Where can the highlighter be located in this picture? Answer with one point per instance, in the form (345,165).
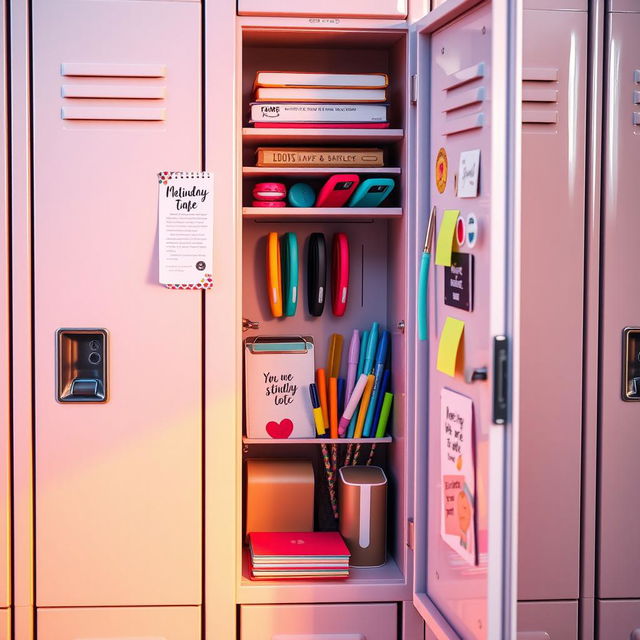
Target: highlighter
(333,406)
(352,404)
(384,415)
(289,255)
(371,349)
(384,387)
(364,405)
(364,342)
(274,275)
(317,410)
(321,382)
(342,386)
(381,357)
(335,355)
(352,369)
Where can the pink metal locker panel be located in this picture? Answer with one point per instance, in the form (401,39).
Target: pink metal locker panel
(466,95)
(118,485)
(559,620)
(327,9)
(319,622)
(618,619)
(553,191)
(149,623)
(5,422)
(619,517)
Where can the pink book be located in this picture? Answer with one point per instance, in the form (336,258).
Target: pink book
(298,545)
(322,125)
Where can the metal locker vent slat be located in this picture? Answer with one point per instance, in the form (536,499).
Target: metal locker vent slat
(109,70)
(112,113)
(464,76)
(113,92)
(466,99)
(540,91)
(540,74)
(467,123)
(636,76)
(135,92)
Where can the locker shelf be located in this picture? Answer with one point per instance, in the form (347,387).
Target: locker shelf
(315,172)
(319,213)
(321,136)
(384,440)
(384,583)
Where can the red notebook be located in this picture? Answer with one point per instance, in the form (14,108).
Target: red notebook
(321,125)
(298,545)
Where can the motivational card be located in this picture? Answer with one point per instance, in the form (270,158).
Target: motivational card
(469,174)
(457,467)
(277,378)
(185,222)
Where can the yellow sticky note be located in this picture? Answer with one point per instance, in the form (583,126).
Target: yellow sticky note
(445,237)
(449,345)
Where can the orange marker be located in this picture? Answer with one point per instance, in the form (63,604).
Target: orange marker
(333,406)
(364,405)
(321,383)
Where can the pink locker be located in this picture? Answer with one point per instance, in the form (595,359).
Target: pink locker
(117,484)
(319,622)
(553,212)
(618,565)
(144,623)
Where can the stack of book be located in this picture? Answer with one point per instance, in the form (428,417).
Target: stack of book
(298,556)
(320,100)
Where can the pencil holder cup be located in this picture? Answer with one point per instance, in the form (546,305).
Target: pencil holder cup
(362,494)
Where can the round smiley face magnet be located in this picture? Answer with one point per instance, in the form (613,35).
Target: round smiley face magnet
(442,170)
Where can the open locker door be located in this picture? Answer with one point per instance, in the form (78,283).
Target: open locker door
(467,119)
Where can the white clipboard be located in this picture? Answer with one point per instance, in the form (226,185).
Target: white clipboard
(278,372)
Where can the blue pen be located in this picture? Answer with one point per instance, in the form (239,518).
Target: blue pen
(342,387)
(423,280)
(384,387)
(371,349)
(364,341)
(381,357)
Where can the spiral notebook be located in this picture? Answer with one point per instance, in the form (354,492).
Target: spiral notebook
(185,229)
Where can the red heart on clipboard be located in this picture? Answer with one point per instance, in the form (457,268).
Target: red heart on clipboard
(280,429)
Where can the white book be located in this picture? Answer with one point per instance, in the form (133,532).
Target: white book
(299,94)
(304,79)
(313,112)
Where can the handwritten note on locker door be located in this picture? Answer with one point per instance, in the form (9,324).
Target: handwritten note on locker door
(457,465)
(185,221)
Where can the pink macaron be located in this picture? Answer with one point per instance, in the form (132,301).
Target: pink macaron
(269,191)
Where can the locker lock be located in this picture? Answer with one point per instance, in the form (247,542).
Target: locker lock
(631,364)
(81,365)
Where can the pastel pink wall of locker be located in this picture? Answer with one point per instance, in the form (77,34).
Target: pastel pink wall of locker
(553,196)
(118,485)
(618,564)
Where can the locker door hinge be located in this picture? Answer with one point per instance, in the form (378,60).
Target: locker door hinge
(413,89)
(500,379)
(410,533)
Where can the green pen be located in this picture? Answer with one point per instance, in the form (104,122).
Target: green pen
(384,415)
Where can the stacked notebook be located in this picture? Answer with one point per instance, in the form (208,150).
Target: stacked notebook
(298,556)
(320,100)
